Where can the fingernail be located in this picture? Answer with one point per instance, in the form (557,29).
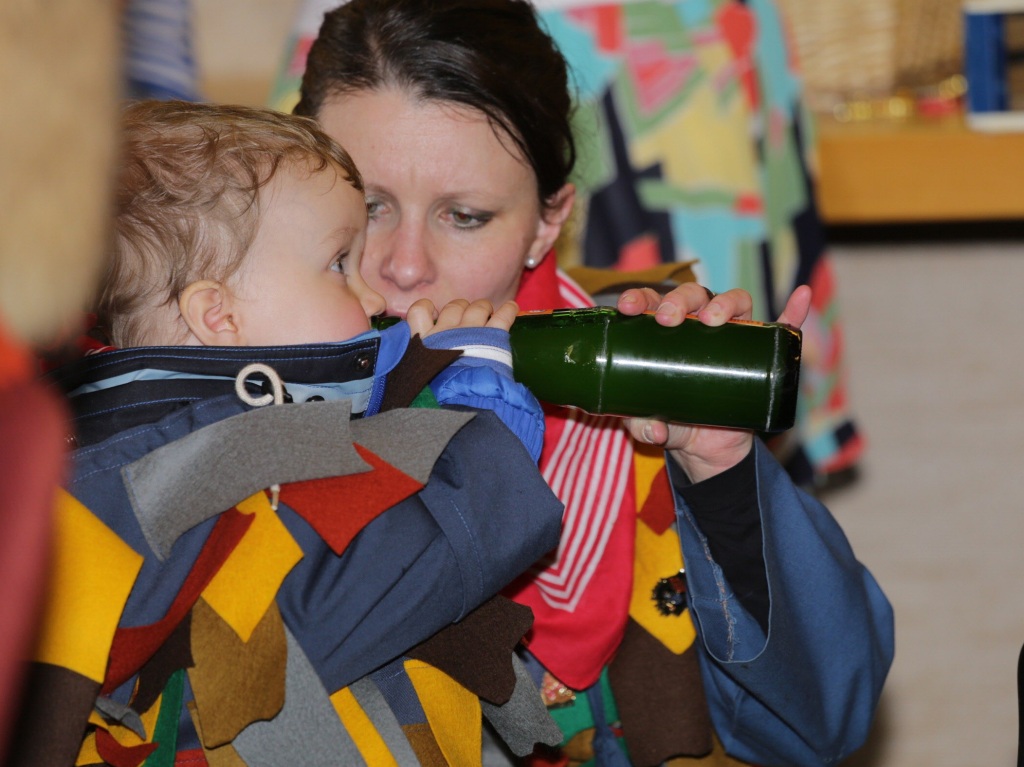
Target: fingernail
(647,434)
(713,309)
(628,298)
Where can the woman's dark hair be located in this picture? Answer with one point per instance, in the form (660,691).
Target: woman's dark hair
(491,55)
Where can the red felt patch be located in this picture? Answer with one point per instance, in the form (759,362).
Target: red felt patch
(339,507)
(132,647)
(659,511)
(116,755)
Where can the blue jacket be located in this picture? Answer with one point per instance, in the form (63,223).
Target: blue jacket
(805,693)
(167,447)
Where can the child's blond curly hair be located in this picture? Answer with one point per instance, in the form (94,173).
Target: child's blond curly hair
(188,201)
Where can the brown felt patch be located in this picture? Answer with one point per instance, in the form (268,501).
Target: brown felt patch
(236,683)
(660,697)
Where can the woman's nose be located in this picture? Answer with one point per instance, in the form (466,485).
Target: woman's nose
(407,262)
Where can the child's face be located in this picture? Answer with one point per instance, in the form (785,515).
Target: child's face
(300,282)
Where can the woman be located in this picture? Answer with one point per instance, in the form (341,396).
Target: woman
(457,114)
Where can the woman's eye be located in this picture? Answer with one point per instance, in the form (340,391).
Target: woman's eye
(465,219)
(374,208)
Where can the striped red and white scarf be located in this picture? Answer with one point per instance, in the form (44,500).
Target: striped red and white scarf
(580,593)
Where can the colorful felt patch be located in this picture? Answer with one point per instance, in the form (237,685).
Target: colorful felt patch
(174,654)
(369,742)
(132,647)
(523,721)
(453,713)
(93,572)
(121,746)
(247,583)
(165,734)
(477,651)
(339,507)
(175,487)
(648,460)
(307,731)
(52,713)
(373,703)
(659,509)
(658,557)
(418,366)
(659,720)
(411,440)
(428,752)
(236,683)
(116,755)
(222,756)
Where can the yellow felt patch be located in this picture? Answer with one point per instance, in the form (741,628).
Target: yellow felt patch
(369,742)
(247,583)
(657,557)
(453,713)
(88,753)
(92,573)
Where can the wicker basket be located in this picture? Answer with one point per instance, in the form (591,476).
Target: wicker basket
(868,49)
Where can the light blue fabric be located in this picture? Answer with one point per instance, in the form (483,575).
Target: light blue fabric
(804,695)
(485,384)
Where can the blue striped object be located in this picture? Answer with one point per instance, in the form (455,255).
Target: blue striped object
(158,53)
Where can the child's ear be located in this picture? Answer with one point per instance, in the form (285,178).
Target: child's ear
(206,308)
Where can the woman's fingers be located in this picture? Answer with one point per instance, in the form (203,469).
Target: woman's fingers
(797,307)
(688,298)
(637,300)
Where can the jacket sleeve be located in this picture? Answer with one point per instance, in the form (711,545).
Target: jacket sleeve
(482,378)
(484,516)
(805,694)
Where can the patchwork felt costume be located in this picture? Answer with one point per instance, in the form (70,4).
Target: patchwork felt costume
(774,644)
(191,622)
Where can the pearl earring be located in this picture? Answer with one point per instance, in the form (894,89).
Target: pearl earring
(531,262)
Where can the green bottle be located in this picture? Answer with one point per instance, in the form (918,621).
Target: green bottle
(741,374)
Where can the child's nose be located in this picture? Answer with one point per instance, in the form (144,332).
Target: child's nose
(373,303)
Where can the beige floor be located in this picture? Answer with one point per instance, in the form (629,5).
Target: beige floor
(937,360)
(936,364)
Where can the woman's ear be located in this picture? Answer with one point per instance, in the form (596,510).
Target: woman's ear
(206,308)
(552,217)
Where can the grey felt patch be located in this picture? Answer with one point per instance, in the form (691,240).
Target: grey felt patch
(523,721)
(306,732)
(372,701)
(190,480)
(410,439)
(111,710)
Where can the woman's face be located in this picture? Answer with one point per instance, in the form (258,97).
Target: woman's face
(453,212)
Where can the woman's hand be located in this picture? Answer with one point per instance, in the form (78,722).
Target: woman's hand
(702,451)
(424,319)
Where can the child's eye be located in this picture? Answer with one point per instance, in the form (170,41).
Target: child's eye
(338,265)
(469,219)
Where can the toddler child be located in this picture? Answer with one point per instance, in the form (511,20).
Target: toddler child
(310,582)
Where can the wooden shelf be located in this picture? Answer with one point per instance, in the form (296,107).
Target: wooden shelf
(917,170)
